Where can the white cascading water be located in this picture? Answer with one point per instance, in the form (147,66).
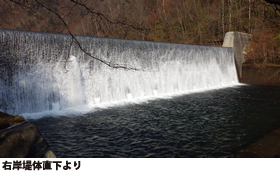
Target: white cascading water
(41,71)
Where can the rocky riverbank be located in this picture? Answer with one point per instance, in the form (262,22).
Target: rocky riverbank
(19,138)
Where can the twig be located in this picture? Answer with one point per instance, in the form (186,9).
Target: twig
(274,74)
(80,46)
(101,16)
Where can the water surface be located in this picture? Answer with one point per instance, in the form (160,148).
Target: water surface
(214,123)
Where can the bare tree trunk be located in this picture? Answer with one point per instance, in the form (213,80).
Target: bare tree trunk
(249,24)
(223,17)
(96,27)
(83,26)
(263,18)
(182,26)
(158,9)
(200,34)
(238,16)
(240,13)
(219,17)
(230,9)
(163,8)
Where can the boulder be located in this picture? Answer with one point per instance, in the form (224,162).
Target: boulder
(19,138)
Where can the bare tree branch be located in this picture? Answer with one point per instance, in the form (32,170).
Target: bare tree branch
(80,46)
(101,16)
(25,6)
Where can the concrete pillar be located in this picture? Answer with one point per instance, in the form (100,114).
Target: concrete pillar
(238,42)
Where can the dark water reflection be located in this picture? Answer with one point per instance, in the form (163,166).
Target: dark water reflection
(208,124)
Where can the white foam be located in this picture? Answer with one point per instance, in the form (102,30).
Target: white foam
(92,107)
(44,79)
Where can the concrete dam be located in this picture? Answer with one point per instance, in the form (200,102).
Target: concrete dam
(48,72)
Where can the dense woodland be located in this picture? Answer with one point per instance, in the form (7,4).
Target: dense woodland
(201,22)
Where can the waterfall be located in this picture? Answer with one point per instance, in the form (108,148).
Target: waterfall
(43,71)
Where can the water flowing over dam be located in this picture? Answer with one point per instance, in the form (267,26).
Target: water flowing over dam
(43,71)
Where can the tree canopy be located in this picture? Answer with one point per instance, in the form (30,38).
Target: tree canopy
(177,21)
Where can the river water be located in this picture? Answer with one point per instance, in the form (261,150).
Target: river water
(214,123)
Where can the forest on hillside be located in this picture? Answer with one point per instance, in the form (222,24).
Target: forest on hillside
(201,22)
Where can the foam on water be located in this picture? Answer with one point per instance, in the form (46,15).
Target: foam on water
(42,72)
(91,107)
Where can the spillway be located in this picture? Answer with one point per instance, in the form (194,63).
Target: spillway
(43,71)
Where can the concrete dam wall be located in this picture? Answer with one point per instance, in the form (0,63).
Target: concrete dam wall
(47,72)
